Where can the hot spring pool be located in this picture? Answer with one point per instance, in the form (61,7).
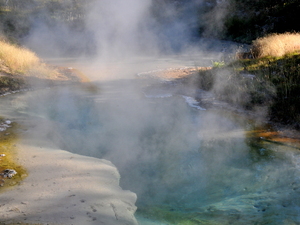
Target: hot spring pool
(186,165)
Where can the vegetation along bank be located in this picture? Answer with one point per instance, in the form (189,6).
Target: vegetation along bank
(266,78)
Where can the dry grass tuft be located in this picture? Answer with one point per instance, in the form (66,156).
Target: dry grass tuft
(276,45)
(17,59)
(21,68)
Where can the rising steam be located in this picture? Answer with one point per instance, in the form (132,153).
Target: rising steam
(117,29)
(166,152)
(121,28)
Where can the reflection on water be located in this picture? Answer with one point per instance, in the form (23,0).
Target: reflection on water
(187,166)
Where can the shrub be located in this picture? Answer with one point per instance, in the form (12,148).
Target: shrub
(11,83)
(276,45)
(270,82)
(245,90)
(18,59)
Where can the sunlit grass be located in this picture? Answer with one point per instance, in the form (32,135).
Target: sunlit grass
(276,45)
(17,59)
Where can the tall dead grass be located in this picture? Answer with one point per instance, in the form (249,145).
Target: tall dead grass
(17,59)
(276,45)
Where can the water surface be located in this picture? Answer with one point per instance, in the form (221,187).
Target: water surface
(186,164)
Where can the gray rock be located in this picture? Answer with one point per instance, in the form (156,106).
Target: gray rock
(8,173)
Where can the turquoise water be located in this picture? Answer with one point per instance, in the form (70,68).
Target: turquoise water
(187,165)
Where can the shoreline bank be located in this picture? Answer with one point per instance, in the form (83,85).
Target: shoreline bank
(62,187)
(65,188)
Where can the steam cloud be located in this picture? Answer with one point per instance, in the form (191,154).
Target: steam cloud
(115,29)
(166,152)
(121,27)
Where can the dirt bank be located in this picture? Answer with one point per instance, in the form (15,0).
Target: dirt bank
(11,83)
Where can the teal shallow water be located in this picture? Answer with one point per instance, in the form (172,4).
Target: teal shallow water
(187,166)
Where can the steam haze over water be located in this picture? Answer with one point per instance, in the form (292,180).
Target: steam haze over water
(181,161)
(196,165)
